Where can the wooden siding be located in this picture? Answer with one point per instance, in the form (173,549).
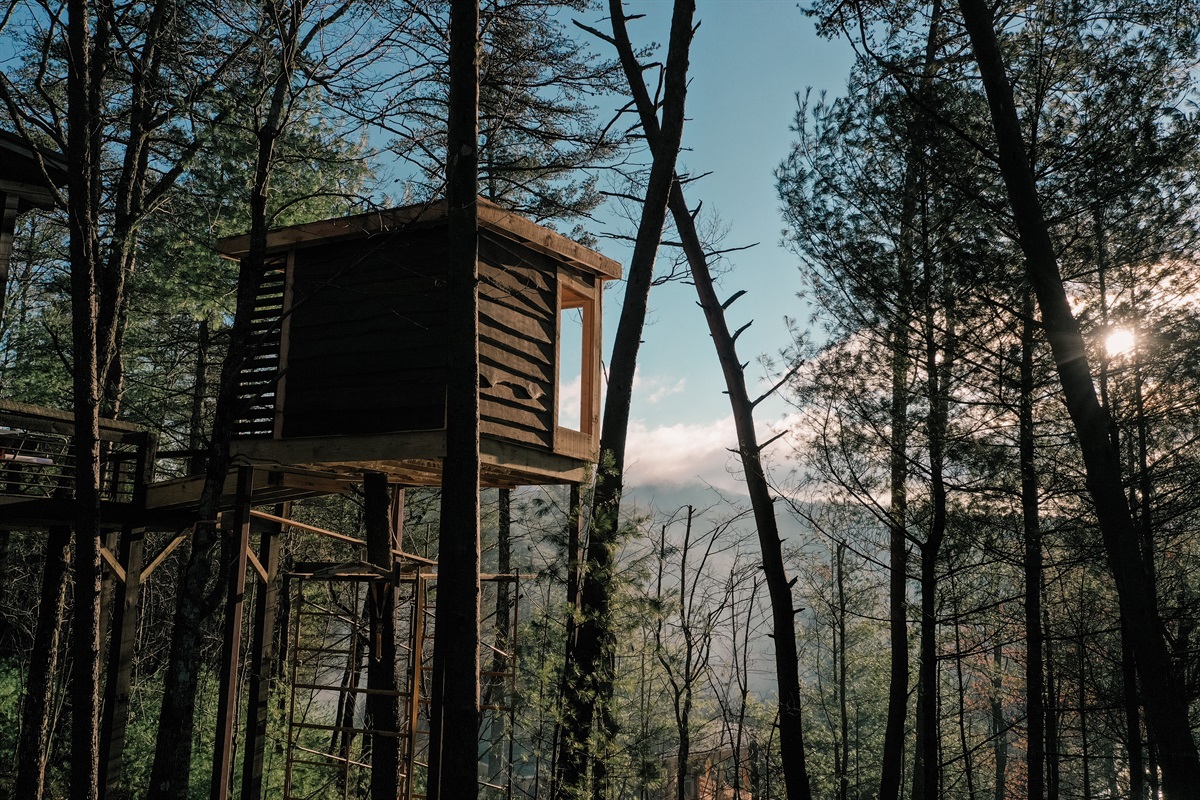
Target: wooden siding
(517,322)
(367,335)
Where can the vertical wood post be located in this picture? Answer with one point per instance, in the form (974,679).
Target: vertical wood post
(415,676)
(383,706)
(115,711)
(230,647)
(262,658)
(8,227)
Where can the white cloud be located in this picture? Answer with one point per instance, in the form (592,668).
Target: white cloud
(570,403)
(690,453)
(661,390)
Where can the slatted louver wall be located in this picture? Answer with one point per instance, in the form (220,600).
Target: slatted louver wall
(258,379)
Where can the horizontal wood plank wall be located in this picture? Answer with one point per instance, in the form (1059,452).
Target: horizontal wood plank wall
(517,323)
(367,340)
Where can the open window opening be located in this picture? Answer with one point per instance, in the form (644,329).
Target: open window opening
(577,364)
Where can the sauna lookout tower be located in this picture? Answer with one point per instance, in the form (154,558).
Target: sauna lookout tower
(350,331)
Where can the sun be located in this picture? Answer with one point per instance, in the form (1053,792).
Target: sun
(1119,342)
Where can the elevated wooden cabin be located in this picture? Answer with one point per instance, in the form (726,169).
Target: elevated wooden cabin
(351,326)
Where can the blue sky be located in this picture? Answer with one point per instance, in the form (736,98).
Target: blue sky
(748,61)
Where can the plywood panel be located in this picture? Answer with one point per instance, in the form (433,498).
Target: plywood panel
(366,349)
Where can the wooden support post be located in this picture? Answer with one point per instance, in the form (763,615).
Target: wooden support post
(227,699)
(108,577)
(383,702)
(8,226)
(127,592)
(415,697)
(262,658)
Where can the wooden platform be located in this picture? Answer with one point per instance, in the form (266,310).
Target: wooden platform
(412,458)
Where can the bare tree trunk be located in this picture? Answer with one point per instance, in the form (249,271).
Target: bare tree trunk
(33,749)
(1031,527)
(501,642)
(968,762)
(892,768)
(1163,693)
(589,695)
(999,729)
(568,701)
(454,704)
(1085,756)
(382,702)
(843,713)
(86,67)
(783,611)
(778,585)
(939,364)
(1053,747)
(199,395)
(1133,726)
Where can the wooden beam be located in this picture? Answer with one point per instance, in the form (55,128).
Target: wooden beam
(383,707)
(291,523)
(115,710)
(113,564)
(262,659)
(231,645)
(291,483)
(491,217)
(258,567)
(166,551)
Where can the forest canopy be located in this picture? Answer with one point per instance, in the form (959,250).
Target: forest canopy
(962,565)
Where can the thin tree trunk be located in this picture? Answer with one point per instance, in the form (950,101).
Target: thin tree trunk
(86,67)
(1032,530)
(194,602)
(1053,748)
(843,713)
(382,703)
(566,702)
(1133,727)
(968,762)
(927,770)
(33,748)
(892,768)
(501,642)
(778,586)
(1085,756)
(589,695)
(454,702)
(999,729)
(199,395)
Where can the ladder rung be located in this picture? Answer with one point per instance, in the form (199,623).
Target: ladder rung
(313,726)
(320,687)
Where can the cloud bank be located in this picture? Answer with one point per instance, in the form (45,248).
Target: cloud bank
(692,453)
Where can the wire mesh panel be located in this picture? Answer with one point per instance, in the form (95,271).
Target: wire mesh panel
(329,732)
(41,464)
